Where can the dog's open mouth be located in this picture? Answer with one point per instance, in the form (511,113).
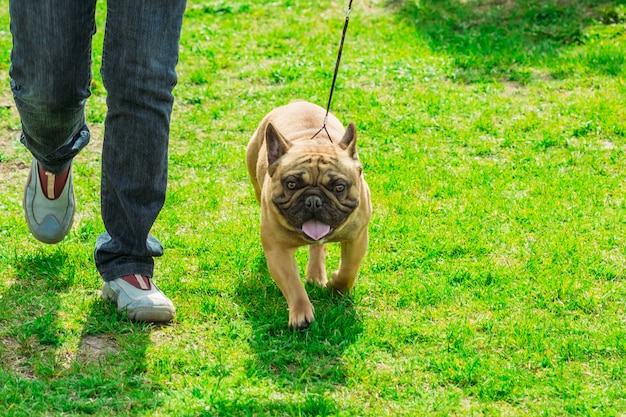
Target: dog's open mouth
(315,229)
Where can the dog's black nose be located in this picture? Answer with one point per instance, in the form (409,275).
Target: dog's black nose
(313,202)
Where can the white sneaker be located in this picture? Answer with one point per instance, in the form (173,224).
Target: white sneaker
(144,302)
(49,216)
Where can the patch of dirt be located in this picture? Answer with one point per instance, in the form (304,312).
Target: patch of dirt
(95,348)
(15,357)
(12,167)
(159,337)
(18,357)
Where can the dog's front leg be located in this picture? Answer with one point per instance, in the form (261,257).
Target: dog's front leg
(352,253)
(284,270)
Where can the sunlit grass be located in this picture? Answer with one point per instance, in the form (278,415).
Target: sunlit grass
(492,136)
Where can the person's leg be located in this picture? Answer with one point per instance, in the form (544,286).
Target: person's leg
(50,77)
(138,69)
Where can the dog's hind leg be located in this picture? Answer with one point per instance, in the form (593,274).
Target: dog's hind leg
(352,253)
(316,268)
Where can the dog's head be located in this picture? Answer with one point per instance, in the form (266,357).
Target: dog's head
(315,184)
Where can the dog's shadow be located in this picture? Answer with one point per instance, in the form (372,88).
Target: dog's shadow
(311,358)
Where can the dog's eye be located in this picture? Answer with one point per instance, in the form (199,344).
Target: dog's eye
(291,185)
(340,188)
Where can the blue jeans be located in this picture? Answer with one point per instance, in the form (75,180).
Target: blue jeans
(50,78)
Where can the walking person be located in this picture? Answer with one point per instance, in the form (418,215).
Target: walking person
(51,71)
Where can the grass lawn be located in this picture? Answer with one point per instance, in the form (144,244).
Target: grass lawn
(493,137)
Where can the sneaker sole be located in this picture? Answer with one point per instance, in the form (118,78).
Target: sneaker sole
(150,314)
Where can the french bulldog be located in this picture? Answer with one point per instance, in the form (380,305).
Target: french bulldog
(309,182)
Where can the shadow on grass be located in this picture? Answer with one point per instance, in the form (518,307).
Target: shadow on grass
(309,361)
(315,404)
(55,360)
(505,39)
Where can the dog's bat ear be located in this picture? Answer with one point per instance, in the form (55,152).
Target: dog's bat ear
(276,145)
(348,142)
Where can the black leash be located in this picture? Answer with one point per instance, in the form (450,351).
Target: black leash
(332,86)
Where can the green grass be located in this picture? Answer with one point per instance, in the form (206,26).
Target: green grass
(493,136)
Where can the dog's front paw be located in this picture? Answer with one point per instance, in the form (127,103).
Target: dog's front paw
(339,284)
(300,317)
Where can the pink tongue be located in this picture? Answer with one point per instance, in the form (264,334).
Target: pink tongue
(315,229)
